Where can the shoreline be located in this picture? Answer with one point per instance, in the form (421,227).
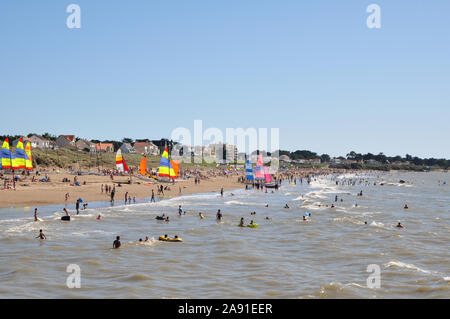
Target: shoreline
(53,192)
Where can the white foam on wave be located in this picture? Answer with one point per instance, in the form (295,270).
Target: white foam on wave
(399,264)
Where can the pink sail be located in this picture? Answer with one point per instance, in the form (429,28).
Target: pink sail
(259,171)
(267,175)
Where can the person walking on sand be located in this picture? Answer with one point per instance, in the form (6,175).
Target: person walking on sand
(153,197)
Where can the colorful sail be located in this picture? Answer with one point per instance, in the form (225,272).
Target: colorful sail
(143,166)
(165,167)
(6,155)
(249,171)
(267,175)
(120,163)
(176,167)
(259,171)
(29,160)
(18,162)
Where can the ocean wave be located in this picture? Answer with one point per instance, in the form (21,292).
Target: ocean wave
(399,264)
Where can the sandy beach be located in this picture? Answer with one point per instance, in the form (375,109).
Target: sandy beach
(28,193)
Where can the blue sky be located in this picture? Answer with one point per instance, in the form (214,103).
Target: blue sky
(310,68)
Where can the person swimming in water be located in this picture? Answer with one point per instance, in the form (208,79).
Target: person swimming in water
(146,238)
(267,205)
(99,217)
(332,205)
(201,215)
(268,218)
(241,223)
(41,235)
(406,206)
(180,211)
(116,243)
(251,224)
(286,206)
(219,215)
(399,225)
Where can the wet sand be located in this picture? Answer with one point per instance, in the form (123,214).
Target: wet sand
(28,193)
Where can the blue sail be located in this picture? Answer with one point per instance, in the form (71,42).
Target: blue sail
(249,171)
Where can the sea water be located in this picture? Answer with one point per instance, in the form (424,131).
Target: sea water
(285,257)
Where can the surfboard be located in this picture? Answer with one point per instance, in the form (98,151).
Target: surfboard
(67,218)
(39,220)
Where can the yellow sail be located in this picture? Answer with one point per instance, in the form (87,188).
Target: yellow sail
(29,160)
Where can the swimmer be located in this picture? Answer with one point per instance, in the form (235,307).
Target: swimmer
(241,223)
(99,217)
(365,223)
(140,240)
(267,205)
(66,211)
(251,223)
(41,235)
(406,207)
(332,205)
(268,218)
(219,215)
(117,243)
(399,225)
(304,218)
(286,206)
(167,219)
(201,216)
(146,238)
(180,211)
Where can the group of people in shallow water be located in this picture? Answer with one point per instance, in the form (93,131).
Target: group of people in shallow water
(163,217)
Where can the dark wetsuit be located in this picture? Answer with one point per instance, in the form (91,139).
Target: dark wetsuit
(116,244)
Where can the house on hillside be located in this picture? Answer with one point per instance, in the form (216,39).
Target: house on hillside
(146,148)
(66,141)
(104,147)
(285,158)
(85,145)
(38,141)
(127,148)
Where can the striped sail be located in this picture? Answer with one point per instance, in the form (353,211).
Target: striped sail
(29,160)
(6,155)
(259,172)
(18,161)
(165,166)
(267,175)
(249,171)
(120,162)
